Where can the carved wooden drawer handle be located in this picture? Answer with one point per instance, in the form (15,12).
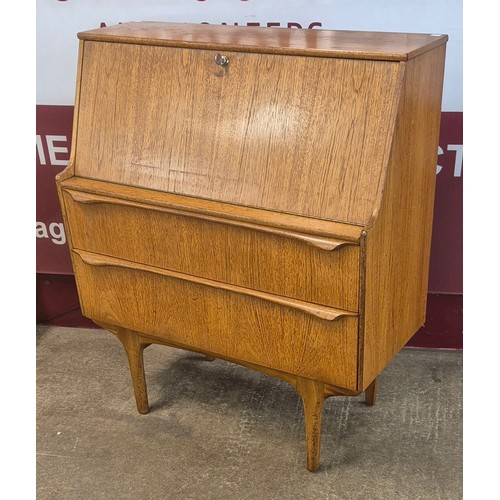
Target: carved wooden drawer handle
(322,242)
(323,312)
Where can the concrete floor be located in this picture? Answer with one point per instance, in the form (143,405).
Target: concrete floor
(220,431)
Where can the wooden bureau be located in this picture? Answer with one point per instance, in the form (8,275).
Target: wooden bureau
(259,195)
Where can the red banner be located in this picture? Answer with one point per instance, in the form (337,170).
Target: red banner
(53,144)
(446,272)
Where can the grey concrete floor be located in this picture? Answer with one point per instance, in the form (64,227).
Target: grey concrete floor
(220,431)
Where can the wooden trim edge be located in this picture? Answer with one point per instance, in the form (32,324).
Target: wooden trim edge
(321,242)
(344,231)
(323,312)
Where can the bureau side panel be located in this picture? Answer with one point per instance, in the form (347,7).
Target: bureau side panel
(398,243)
(219,321)
(301,135)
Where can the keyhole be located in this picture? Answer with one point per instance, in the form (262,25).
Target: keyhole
(221,60)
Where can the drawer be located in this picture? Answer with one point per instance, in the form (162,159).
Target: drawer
(310,268)
(296,337)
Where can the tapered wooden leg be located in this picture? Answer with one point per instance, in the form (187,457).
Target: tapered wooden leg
(313,395)
(371,393)
(209,358)
(134,349)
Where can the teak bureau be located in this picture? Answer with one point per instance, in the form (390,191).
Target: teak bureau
(259,195)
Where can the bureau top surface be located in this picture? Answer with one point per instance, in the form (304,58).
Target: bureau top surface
(313,42)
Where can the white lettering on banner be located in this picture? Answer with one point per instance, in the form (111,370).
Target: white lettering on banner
(270,24)
(55,232)
(315,24)
(40,151)
(55,151)
(459,157)
(439,167)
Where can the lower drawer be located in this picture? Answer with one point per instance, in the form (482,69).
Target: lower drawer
(292,336)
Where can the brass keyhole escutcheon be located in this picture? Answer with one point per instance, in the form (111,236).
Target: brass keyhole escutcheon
(221,60)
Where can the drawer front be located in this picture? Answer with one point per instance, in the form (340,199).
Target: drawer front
(178,308)
(313,269)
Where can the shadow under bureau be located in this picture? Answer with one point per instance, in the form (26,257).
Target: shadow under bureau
(259,195)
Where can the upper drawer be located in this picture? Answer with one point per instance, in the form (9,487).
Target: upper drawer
(295,134)
(288,263)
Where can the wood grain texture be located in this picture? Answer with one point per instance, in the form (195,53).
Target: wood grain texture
(313,42)
(371,393)
(134,349)
(209,208)
(112,202)
(144,339)
(279,264)
(361,307)
(312,137)
(275,212)
(398,243)
(320,311)
(313,395)
(220,321)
